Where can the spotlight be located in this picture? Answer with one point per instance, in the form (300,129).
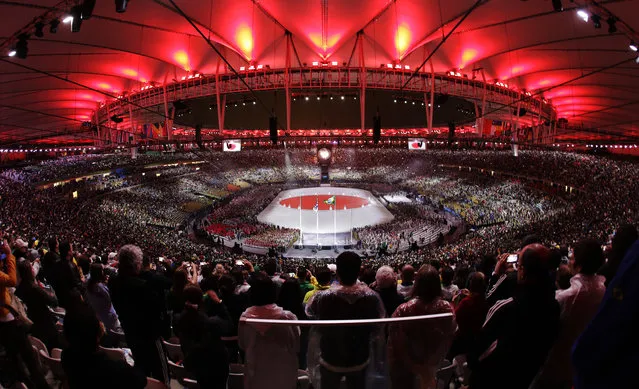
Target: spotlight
(12,53)
(120,5)
(39,27)
(323,154)
(583,15)
(67,19)
(633,46)
(596,21)
(76,22)
(53,26)
(612,25)
(87,9)
(556,4)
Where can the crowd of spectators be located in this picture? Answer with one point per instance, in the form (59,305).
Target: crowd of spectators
(105,262)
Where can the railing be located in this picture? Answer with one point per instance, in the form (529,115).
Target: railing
(344,79)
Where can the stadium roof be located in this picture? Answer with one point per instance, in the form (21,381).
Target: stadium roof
(589,73)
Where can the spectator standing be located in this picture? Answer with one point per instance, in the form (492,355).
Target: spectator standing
(324,279)
(140,311)
(38,302)
(271,350)
(406,287)
(579,303)
(470,314)
(345,350)
(386,286)
(605,354)
(449,290)
(99,298)
(200,337)
(67,278)
(416,349)
(519,331)
(13,335)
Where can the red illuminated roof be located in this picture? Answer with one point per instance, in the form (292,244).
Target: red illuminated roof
(590,74)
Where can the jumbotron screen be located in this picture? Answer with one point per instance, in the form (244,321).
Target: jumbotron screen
(233,145)
(416,144)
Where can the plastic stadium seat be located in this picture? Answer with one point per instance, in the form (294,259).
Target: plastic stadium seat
(303,381)
(20,385)
(152,383)
(177,371)
(117,354)
(445,374)
(55,365)
(236,381)
(236,368)
(56,353)
(190,384)
(119,336)
(173,351)
(38,345)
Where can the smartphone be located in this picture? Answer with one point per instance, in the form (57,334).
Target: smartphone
(239,263)
(512,258)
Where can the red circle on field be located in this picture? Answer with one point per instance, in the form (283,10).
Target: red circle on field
(324,201)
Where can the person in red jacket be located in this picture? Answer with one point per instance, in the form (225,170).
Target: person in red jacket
(470,314)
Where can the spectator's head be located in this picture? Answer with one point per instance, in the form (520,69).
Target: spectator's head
(53,244)
(66,251)
(385,278)
(555,259)
(219,270)
(563,277)
(270,267)
(530,239)
(436,264)
(324,276)
(408,274)
(587,257)
(206,271)
(180,280)
(367,274)
(625,236)
(20,248)
(192,297)
(477,283)
(461,276)
(25,272)
(427,284)
(227,285)
(447,275)
(348,265)
(82,329)
(290,296)
(238,275)
(263,290)
(532,266)
(130,260)
(97,273)
(302,273)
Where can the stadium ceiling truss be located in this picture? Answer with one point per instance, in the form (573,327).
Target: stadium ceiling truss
(499,54)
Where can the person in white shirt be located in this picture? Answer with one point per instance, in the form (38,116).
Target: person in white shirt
(578,303)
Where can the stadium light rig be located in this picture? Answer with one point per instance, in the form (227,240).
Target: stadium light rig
(583,15)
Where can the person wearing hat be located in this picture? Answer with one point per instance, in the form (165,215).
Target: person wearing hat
(20,249)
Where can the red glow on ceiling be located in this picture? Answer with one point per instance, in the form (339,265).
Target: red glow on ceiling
(318,41)
(104,85)
(244,40)
(129,72)
(182,58)
(468,56)
(402,39)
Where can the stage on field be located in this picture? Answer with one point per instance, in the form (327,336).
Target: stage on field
(325,215)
